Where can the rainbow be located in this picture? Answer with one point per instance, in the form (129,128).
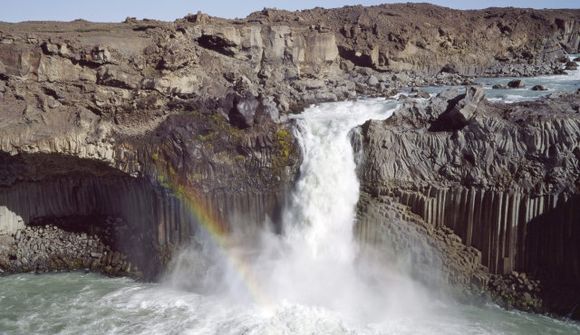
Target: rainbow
(215,227)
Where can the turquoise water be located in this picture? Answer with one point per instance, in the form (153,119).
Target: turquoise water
(76,303)
(554,83)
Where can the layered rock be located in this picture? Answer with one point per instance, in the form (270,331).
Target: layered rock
(430,39)
(505,178)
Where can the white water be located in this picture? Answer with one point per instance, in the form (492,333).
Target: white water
(306,281)
(313,263)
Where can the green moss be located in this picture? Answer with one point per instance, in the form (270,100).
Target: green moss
(207,137)
(284,143)
(219,128)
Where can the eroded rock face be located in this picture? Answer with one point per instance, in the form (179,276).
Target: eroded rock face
(506,182)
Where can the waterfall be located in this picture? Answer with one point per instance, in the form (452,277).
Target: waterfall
(314,261)
(317,267)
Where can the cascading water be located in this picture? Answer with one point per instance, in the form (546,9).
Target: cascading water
(313,263)
(316,264)
(307,280)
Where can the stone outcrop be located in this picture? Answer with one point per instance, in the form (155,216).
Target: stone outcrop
(516,83)
(539,88)
(506,181)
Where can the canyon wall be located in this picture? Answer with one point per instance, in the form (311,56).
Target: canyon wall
(504,178)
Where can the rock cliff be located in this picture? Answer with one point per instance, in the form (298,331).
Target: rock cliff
(504,178)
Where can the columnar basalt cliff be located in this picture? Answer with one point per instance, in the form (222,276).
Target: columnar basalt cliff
(505,178)
(135,128)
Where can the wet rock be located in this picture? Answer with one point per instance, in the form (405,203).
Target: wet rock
(516,83)
(48,248)
(539,88)
(153,101)
(476,190)
(571,66)
(499,87)
(516,290)
(422,95)
(560,72)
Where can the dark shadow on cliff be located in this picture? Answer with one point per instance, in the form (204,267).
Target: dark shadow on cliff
(553,255)
(85,196)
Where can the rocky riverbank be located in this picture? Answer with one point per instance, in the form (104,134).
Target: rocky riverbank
(48,248)
(516,290)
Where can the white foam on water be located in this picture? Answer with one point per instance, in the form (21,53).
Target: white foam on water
(89,304)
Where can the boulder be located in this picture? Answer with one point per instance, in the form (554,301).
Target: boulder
(115,77)
(267,111)
(499,87)
(560,71)
(449,68)
(244,110)
(460,110)
(539,88)
(224,40)
(57,69)
(571,66)
(101,55)
(516,83)
(199,18)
